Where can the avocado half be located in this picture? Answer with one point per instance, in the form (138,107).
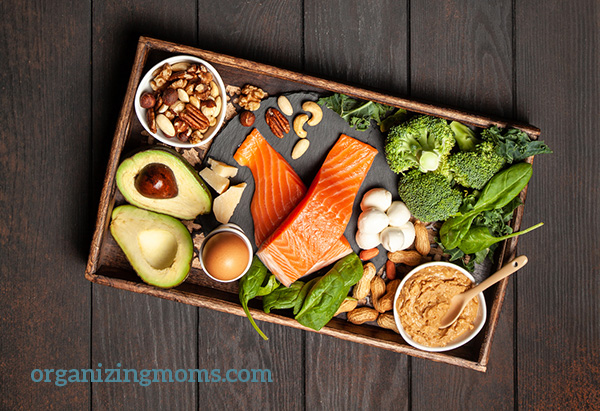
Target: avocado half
(193,196)
(159,247)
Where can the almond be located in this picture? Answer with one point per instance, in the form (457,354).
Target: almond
(369,254)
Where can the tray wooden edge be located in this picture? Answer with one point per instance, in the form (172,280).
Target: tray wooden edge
(145,45)
(236,309)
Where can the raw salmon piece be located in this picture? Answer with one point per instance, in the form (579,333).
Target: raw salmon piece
(320,219)
(338,250)
(277,187)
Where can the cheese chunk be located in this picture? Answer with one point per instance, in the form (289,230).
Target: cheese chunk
(225,204)
(217,182)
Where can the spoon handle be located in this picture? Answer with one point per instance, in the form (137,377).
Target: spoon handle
(504,272)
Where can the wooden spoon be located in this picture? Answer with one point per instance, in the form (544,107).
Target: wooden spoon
(460,301)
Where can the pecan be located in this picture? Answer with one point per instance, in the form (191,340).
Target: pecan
(194,118)
(278,124)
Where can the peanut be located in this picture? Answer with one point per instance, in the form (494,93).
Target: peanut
(366,255)
(361,289)
(348,304)
(390,270)
(386,303)
(421,239)
(377,289)
(386,320)
(362,314)
(412,258)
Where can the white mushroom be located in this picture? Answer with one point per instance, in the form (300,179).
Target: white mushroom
(379,198)
(398,213)
(392,239)
(367,241)
(372,221)
(408,229)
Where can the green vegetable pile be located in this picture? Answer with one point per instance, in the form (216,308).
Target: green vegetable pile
(451,173)
(313,303)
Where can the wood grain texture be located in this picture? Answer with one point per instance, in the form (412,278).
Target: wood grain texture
(268,31)
(558,310)
(137,331)
(351,43)
(227,342)
(344,41)
(44,209)
(461,53)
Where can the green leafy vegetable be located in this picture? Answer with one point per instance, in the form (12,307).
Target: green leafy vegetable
(283,297)
(423,142)
(250,285)
(269,285)
(479,238)
(357,113)
(497,193)
(514,145)
(303,293)
(395,119)
(327,294)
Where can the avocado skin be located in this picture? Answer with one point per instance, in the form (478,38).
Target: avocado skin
(199,202)
(126,224)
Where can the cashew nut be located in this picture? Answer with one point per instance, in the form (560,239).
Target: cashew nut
(314,109)
(299,124)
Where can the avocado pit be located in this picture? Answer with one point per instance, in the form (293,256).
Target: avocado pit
(156,181)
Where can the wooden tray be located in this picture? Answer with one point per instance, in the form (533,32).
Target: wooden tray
(107,264)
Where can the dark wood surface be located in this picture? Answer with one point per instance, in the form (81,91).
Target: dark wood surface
(64,73)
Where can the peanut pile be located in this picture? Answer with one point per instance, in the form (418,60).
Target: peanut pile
(374,295)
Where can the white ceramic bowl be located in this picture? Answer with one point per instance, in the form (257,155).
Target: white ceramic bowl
(228,228)
(462,339)
(144,86)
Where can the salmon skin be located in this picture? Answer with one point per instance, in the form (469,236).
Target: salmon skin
(319,220)
(277,187)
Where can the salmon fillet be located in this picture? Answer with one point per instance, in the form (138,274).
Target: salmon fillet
(278,189)
(319,220)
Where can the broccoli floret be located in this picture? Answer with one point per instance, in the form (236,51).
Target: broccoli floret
(423,142)
(429,196)
(473,169)
(465,137)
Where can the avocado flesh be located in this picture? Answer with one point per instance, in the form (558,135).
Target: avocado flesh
(193,197)
(158,247)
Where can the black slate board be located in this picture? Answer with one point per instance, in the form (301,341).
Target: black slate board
(322,137)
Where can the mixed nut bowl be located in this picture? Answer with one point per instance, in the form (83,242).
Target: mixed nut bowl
(180,101)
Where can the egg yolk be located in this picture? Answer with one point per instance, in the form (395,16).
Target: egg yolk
(225,256)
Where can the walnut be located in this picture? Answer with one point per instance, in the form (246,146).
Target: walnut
(251,97)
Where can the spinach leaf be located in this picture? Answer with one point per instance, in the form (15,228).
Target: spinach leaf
(250,285)
(283,297)
(514,145)
(303,293)
(504,186)
(479,238)
(270,284)
(497,193)
(327,294)
(357,113)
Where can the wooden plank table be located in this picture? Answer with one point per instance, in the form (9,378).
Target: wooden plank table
(64,73)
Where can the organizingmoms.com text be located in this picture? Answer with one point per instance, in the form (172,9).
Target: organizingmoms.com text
(145,377)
